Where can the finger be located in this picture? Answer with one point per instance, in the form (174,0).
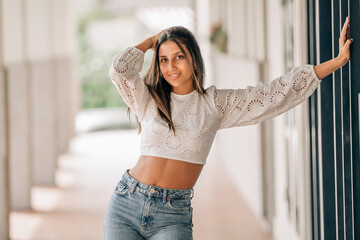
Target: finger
(345,27)
(159,34)
(341,42)
(348,43)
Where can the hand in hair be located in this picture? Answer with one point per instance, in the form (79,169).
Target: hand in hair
(149,43)
(154,39)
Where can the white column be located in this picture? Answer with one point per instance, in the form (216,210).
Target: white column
(259,29)
(4,186)
(4,183)
(70,47)
(19,154)
(63,42)
(250,20)
(42,90)
(203,19)
(237,28)
(17,97)
(50,53)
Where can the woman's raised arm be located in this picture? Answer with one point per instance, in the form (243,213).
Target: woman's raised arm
(149,43)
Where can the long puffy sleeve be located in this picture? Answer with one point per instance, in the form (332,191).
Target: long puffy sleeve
(252,105)
(124,73)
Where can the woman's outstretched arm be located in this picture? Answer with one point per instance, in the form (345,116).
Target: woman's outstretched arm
(325,68)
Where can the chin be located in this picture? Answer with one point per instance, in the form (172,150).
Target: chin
(174,84)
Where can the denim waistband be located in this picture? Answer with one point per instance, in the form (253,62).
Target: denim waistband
(155,191)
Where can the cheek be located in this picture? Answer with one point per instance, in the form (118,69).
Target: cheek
(162,69)
(188,69)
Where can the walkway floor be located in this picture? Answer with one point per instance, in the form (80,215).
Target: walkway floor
(75,208)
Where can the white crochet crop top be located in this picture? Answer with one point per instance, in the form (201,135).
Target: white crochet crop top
(198,117)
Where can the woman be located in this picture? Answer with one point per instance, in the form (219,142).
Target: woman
(179,119)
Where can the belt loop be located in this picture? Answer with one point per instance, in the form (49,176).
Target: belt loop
(164,195)
(132,188)
(192,193)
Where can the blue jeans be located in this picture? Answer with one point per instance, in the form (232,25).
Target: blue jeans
(140,211)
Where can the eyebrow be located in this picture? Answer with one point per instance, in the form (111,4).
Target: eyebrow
(173,53)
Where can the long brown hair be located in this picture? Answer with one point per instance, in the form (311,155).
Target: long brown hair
(158,87)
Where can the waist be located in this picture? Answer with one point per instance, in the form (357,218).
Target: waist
(154,191)
(166,173)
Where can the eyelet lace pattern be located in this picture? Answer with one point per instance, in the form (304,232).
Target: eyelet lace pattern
(198,117)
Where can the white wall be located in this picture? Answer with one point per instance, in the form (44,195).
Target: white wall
(239,148)
(255,39)
(283,225)
(283,229)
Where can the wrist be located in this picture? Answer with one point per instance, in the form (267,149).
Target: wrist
(145,45)
(340,60)
(149,42)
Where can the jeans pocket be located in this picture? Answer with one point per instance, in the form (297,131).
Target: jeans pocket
(179,204)
(121,188)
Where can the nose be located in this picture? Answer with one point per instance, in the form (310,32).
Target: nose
(171,65)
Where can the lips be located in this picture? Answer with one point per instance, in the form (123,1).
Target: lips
(174,76)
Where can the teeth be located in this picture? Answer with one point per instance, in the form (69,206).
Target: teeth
(175,75)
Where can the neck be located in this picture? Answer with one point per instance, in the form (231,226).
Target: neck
(182,91)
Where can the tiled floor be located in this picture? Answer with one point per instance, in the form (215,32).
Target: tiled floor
(75,208)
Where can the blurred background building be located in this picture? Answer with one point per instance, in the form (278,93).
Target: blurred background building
(65,139)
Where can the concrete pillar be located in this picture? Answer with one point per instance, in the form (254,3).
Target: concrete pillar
(42,90)
(43,122)
(4,179)
(49,52)
(237,27)
(70,48)
(63,42)
(4,184)
(19,152)
(17,98)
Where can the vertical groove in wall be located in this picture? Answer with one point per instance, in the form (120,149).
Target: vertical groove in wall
(347,136)
(334,119)
(319,165)
(354,10)
(313,125)
(351,197)
(342,135)
(355,20)
(351,145)
(337,127)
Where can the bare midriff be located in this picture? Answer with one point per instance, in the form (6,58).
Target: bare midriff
(166,173)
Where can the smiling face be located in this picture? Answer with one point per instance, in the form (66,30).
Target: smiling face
(176,67)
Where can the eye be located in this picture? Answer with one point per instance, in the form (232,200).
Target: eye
(179,56)
(163,60)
